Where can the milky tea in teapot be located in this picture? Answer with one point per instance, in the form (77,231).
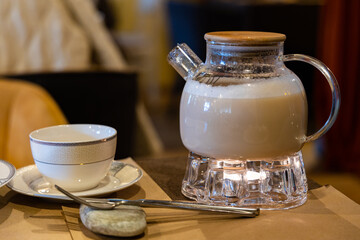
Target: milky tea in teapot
(245,122)
(243,117)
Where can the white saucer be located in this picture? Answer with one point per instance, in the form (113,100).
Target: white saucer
(7,172)
(29,181)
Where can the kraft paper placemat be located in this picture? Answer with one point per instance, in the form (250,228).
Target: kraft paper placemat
(328,214)
(24,217)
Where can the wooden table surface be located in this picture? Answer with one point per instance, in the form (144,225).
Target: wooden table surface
(327,214)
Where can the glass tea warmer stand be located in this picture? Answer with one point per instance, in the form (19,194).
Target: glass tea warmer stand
(243,117)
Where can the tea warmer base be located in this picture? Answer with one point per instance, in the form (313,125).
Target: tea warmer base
(266,184)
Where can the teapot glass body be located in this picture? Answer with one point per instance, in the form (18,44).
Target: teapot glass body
(243,103)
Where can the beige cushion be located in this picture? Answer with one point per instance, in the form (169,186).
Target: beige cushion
(40,35)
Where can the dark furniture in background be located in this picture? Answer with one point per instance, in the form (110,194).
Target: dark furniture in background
(98,97)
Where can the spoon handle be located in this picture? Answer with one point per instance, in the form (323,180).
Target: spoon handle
(112,203)
(249,212)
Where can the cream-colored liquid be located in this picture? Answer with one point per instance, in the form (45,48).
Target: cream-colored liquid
(264,119)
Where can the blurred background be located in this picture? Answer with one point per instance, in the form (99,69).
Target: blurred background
(105,61)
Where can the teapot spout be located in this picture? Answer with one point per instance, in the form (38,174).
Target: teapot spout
(184,60)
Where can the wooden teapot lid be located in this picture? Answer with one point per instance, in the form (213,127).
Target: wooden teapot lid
(246,38)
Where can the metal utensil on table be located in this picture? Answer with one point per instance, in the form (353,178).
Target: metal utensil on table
(108,204)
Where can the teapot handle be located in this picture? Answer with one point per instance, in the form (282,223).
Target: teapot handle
(334,86)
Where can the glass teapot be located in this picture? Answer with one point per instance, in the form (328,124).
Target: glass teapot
(243,117)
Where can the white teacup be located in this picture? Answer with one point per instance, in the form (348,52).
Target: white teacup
(74,156)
